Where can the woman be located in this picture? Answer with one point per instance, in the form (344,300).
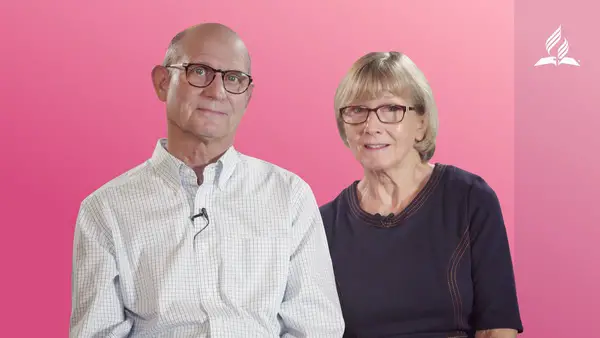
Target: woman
(419,249)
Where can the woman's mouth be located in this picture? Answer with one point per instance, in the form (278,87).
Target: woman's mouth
(376,146)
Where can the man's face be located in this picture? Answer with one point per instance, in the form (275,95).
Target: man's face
(210,112)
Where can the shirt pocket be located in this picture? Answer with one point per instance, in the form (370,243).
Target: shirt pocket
(253,271)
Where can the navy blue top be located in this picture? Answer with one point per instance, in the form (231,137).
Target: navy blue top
(440,268)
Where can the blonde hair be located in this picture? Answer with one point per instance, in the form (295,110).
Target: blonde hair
(379,72)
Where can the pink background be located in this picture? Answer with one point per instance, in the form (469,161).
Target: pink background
(557,180)
(77,109)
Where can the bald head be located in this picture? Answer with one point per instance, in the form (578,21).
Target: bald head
(204,34)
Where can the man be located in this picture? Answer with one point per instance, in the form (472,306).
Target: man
(201,240)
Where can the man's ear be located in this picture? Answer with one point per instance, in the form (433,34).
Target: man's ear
(161,79)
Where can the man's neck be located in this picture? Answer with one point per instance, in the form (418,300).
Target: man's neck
(196,153)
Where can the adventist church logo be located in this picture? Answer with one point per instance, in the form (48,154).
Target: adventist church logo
(560,57)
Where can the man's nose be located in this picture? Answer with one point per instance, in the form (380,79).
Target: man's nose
(215,90)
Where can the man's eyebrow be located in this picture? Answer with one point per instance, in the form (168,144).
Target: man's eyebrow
(236,69)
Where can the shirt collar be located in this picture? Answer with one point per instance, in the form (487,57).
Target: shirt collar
(177,172)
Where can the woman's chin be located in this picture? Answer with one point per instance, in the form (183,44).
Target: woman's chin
(376,165)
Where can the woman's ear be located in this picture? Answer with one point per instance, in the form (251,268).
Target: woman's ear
(421,127)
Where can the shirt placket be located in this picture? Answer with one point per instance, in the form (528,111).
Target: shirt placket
(205,252)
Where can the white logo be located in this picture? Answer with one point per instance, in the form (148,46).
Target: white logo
(561,57)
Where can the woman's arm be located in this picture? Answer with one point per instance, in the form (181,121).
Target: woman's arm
(495,309)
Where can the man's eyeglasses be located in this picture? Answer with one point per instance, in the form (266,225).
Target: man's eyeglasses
(389,113)
(201,76)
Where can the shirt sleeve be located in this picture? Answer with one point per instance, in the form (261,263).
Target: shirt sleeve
(97,307)
(310,307)
(495,296)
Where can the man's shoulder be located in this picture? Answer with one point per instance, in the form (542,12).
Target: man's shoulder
(272,172)
(119,185)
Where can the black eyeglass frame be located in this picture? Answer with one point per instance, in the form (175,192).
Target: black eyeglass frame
(223,72)
(375,110)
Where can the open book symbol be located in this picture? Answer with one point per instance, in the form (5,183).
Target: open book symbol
(561,57)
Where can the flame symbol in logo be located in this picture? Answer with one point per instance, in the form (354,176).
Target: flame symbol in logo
(553,39)
(561,56)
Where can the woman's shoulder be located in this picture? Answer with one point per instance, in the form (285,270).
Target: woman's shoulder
(337,204)
(471,186)
(466,180)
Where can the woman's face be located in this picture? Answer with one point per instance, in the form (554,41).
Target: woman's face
(378,145)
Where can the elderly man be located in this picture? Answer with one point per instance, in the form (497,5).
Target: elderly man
(201,240)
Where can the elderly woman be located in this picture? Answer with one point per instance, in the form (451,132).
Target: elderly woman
(419,249)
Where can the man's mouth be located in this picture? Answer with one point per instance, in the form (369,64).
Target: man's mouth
(210,111)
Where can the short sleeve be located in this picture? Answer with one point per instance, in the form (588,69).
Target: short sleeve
(495,296)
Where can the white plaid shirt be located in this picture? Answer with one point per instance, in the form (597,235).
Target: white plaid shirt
(257,266)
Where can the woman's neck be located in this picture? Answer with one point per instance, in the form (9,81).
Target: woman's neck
(390,191)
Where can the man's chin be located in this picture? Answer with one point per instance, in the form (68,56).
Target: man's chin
(206,135)
(206,128)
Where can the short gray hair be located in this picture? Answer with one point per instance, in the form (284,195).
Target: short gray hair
(174,51)
(378,72)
